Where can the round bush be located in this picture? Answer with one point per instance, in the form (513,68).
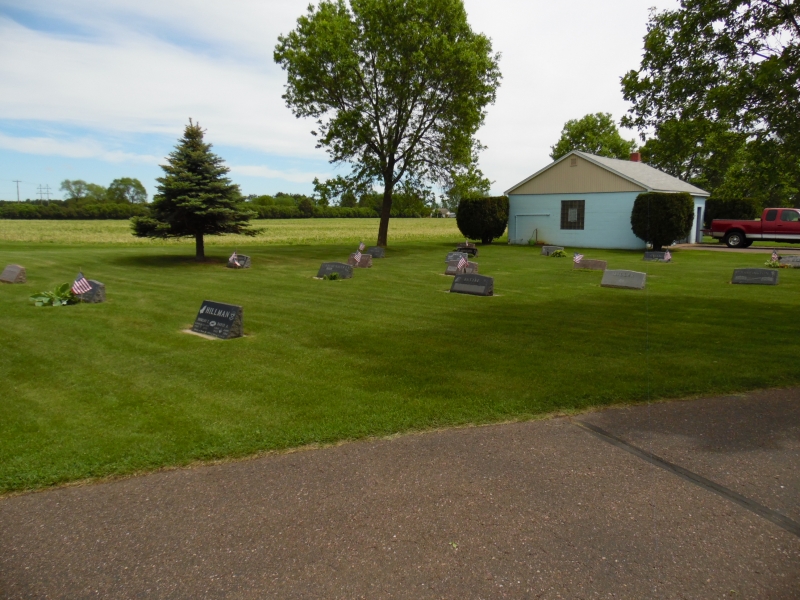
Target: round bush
(482,219)
(661,218)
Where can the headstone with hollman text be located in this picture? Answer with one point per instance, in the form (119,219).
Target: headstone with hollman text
(615,278)
(755,276)
(343,270)
(472,284)
(13,274)
(223,321)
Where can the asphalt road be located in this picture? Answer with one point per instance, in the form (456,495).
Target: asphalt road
(543,509)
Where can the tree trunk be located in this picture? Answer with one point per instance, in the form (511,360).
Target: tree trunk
(386,212)
(199,247)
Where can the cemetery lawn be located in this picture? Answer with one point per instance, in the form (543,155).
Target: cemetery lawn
(91,391)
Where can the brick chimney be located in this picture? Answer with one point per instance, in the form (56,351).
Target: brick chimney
(636,157)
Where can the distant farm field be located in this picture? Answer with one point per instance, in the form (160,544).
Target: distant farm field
(97,390)
(272,231)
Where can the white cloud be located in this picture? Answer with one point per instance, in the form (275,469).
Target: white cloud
(269,173)
(85,148)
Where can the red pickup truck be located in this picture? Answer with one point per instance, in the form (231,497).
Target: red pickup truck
(776,225)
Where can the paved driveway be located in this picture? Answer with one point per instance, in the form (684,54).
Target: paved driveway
(658,501)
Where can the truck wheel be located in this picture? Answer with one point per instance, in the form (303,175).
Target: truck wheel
(735,239)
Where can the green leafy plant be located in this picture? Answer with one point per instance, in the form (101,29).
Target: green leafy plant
(774,264)
(331,276)
(61,296)
(558,254)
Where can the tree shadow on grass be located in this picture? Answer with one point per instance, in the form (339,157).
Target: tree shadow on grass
(167,260)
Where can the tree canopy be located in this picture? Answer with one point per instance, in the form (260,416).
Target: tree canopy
(398,88)
(194,197)
(596,134)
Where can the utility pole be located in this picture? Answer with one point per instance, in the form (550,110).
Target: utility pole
(17,181)
(40,192)
(47,191)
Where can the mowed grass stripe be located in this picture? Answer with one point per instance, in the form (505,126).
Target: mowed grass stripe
(110,389)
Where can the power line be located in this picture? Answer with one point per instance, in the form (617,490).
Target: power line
(17,181)
(43,190)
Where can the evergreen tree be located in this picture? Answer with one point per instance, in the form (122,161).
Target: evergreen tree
(194,197)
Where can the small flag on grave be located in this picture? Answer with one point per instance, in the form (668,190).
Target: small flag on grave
(361,246)
(234,258)
(667,256)
(81,286)
(462,263)
(774,256)
(576,258)
(357,256)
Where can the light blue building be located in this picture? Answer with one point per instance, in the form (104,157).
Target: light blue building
(585,201)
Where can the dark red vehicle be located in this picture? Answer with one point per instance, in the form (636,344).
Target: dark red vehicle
(776,225)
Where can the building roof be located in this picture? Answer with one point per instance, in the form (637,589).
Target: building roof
(639,173)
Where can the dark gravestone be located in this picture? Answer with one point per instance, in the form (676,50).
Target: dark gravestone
(376,252)
(755,276)
(624,279)
(456,256)
(242,262)
(793,260)
(590,264)
(656,256)
(96,295)
(13,274)
(452,268)
(223,321)
(476,285)
(365,262)
(548,250)
(467,248)
(344,271)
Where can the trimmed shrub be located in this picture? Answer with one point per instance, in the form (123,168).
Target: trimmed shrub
(482,219)
(58,209)
(733,208)
(661,218)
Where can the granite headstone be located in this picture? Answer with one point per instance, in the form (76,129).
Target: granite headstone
(452,268)
(456,256)
(624,279)
(223,321)
(548,250)
(376,252)
(755,276)
(476,285)
(590,264)
(13,274)
(656,256)
(344,271)
(365,262)
(468,248)
(793,260)
(96,295)
(242,262)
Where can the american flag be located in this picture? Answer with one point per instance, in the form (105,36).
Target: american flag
(361,246)
(462,262)
(774,256)
(667,255)
(577,258)
(357,256)
(81,286)
(234,258)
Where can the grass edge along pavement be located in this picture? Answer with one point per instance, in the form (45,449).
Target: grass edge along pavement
(383,353)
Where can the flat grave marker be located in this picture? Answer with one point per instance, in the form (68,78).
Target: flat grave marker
(590,264)
(623,279)
(656,257)
(344,271)
(456,256)
(242,262)
(467,248)
(793,260)
(223,321)
(548,250)
(96,295)
(365,262)
(755,276)
(474,285)
(376,252)
(13,274)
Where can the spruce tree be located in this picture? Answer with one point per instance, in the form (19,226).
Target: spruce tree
(194,197)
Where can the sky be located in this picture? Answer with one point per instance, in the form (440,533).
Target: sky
(102,89)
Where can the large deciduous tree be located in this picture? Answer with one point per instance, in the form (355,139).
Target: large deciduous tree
(194,197)
(127,190)
(398,87)
(596,134)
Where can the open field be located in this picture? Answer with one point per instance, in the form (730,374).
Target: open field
(97,390)
(273,231)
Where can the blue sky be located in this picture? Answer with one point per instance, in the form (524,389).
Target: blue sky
(100,89)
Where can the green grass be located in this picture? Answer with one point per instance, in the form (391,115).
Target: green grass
(97,390)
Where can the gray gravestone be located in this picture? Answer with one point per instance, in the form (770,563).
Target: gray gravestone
(242,262)
(471,268)
(223,321)
(344,271)
(468,248)
(590,264)
(13,274)
(376,252)
(365,262)
(456,256)
(476,285)
(96,295)
(793,260)
(548,250)
(656,256)
(624,279)
(452,268)
(755,276)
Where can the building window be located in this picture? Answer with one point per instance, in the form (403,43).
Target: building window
(572,212)
(573,162)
